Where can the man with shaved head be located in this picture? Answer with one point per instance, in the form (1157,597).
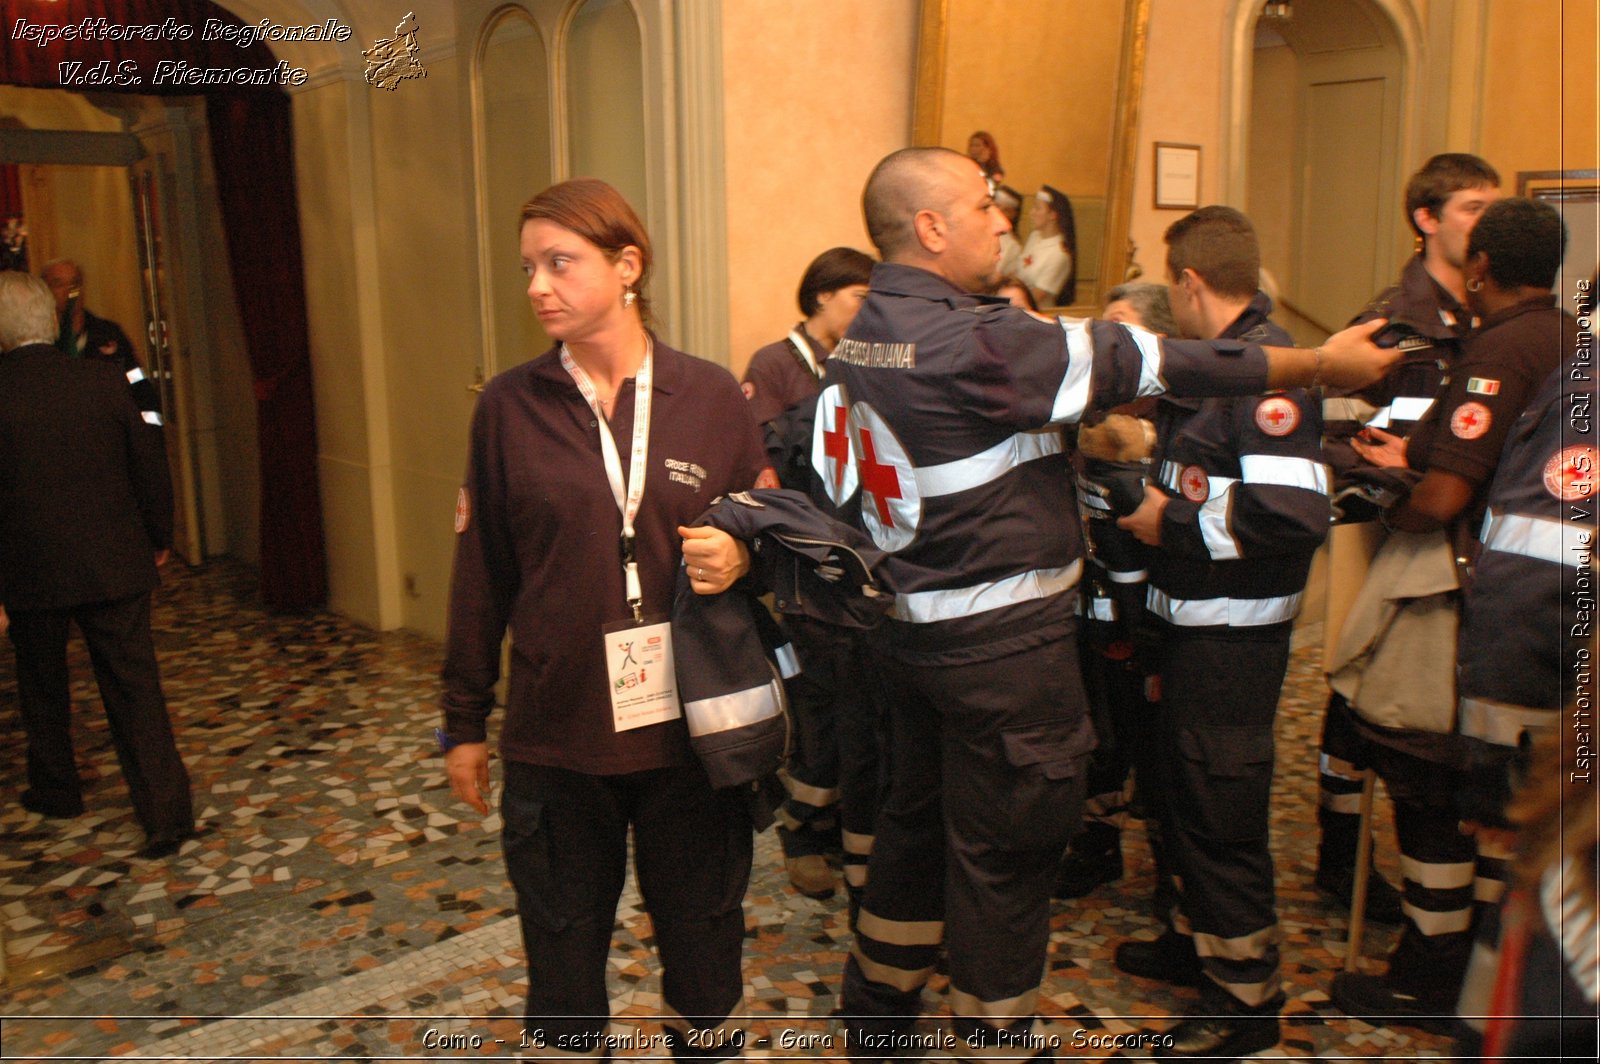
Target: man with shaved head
(86,335)
(944,409)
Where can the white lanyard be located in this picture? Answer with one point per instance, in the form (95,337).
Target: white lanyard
(630,495)
(805,351)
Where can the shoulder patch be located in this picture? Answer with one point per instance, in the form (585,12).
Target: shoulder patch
(1569,475)
(1277,416)
(463,511)
(749,389)
(768,478)
(1194,483)
(1483,386)
(1470,421)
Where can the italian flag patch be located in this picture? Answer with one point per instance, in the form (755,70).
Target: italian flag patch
(1483,386)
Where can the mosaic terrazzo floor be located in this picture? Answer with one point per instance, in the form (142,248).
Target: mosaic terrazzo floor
(339,904)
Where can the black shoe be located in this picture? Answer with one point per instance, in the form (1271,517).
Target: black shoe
(1224,1037)
(165,844)
(1383,901)
(33,802)
(1170,958)
(1371,998)
(1080,872)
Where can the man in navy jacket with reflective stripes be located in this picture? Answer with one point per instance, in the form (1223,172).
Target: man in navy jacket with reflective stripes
(945,408)
(1242,506)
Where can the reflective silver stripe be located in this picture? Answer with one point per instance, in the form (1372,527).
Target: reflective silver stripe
(1404,408)
(151,417)
(1487,891)
(1102,609)
(1339,768)
(1251,947)
(902,979)
(1072,398)
(1493,851)
(924,607)
(979,469)
(1236,613)
(1432,923)
(1093,500)
(726,712)
(1347,408)
(1285,471)
(724,1034)
(899,932)
(135,375)
(1129,576)
(1251,994)
(788,662)
(820,797)
(861,845)
(1170,471)
(1502,723)
(1213,520)
(1451,876)
(995,1013)
(855,875)
(1546,539)
(1150,360)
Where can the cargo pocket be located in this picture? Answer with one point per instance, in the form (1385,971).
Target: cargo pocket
(1050,759)
(525,838)
(1227,771)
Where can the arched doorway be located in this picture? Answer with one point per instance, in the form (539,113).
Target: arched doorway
(199,232)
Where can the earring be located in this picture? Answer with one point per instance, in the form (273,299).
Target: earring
(629,298)
(1474,284)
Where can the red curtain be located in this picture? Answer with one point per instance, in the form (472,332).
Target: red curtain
(253,152)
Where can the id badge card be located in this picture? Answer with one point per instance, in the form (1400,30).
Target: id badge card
(639,674)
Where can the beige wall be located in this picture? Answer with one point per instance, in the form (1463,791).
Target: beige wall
(431,323)
(1183,87)
(1270,201)
(1538,86)
(815,94)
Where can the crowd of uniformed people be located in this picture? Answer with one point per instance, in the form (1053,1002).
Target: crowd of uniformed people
(1038,575)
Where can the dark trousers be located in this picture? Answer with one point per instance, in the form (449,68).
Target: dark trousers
(833,775)
(986,783)
(1219,697)
(1342,759)
(1442,872)
(124,658)
(566,849)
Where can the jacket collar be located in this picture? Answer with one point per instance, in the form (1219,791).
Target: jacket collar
(667,370)
(896,279)
(1516,310)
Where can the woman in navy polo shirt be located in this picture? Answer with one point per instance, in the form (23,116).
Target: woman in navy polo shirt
(585,465)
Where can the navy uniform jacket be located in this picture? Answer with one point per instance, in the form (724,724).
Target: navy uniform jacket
(105,341)
(779,377)
(1523,631)
(1248,500)
(1402,398)
(85,498)
(945,408)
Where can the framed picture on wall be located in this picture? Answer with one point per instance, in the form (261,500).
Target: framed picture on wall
(1576,194)
(1177,181)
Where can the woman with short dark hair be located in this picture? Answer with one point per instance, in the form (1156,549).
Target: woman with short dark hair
(789,371)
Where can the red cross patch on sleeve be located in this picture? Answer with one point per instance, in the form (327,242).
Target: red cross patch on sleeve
(768,478)
(1569,475)
(1470,421)
(749,389)
(463,511)
(1194,484)
(1277,416)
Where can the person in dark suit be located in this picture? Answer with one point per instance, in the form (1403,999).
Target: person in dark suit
(85,520)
